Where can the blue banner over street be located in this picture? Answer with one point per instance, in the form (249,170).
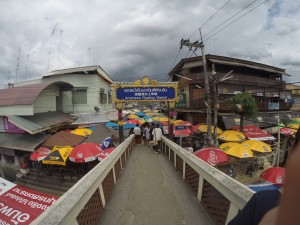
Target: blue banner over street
(145,93)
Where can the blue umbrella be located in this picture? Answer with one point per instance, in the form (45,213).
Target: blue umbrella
(158,122)
(111,124)
(140,114)
(147,117)
(92,128)
(126,126)
(106,142)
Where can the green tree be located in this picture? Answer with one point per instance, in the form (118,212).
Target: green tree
(245,106)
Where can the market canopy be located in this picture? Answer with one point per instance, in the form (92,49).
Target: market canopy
(58,155)
(255,133)
(232,135)
(63,138)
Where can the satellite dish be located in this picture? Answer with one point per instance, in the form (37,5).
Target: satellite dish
(96,109)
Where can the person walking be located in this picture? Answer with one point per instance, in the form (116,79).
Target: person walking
(157,134)
(147,135)
(137,132)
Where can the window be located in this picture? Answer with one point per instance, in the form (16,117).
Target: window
(103,96)
(80,96)
(109,96)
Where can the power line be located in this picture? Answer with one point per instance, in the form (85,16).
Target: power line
(230,18)
(236,20)
(211,17)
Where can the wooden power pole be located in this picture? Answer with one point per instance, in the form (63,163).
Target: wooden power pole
(207,85)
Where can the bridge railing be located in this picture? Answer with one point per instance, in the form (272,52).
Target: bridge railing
(83,203)
(221,195)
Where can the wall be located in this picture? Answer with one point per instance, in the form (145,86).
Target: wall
(21,110)
(46,101)
(92,82)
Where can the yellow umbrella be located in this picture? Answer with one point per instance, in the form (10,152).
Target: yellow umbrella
(203,129)
(147,110)
(141,120)
(232,135)
(257,146)
(294,126)
(82,132)
(155,111)
(161,119)
(227,145)
(239,151)
(58,155)
(298,119)
(132,116)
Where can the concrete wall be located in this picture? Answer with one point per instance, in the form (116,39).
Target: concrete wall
(21,110)
(46,101)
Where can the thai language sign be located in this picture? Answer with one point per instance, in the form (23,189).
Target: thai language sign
(145,93)
(19,205)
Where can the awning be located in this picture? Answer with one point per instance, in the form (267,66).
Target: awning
(63,138)
(41,121)
(255,133)
(90,118)
(25,142)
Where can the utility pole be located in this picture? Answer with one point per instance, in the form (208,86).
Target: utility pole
(215,104)
(207,86)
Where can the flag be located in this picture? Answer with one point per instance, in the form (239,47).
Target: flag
(106,142)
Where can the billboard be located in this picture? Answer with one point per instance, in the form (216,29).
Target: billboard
(19,205)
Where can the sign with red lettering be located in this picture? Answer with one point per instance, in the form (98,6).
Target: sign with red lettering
(19,205)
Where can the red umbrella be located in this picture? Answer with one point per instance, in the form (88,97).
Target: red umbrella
(184,133)
(195,129)
(105,153)
(39,154)
(212,156)
(85,152)
(134,121)
(286,131)
(164,123)
(275,175)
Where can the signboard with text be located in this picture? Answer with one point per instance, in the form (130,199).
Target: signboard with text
(182,101)
(19,205)
(145,90)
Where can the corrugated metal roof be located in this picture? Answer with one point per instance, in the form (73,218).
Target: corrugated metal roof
(63,138)
(90,118)
(24,95)
(252,66)
(41,121)
(25,142)
(84,69)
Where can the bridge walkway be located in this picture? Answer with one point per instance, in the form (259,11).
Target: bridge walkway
(151,192)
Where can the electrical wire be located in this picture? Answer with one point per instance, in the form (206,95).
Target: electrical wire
(210,18)
(251,3)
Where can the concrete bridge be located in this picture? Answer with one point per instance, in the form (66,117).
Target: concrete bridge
(136,186)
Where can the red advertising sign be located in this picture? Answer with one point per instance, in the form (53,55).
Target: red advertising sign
(19,205)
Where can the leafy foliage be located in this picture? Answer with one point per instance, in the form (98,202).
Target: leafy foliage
(244,105)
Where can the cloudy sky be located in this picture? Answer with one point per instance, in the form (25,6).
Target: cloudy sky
(133,38)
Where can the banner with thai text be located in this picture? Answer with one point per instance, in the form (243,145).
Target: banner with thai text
(19,205)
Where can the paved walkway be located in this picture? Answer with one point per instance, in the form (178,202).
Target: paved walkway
(151,192)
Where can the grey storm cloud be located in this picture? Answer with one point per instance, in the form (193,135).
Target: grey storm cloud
(133,38)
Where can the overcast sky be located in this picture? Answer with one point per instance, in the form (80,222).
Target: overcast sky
(134,38)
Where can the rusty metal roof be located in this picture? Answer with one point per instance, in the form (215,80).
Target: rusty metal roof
(82,70)
(24,95)
(25,142)
(41,121)
(63,138)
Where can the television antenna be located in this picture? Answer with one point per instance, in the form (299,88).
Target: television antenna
(52,34)
(18,65)
(26,66)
